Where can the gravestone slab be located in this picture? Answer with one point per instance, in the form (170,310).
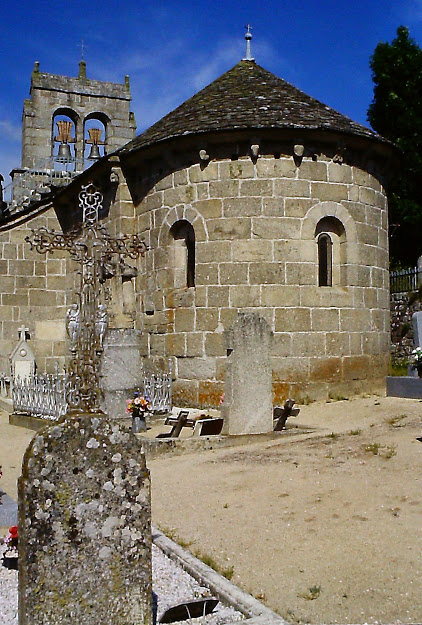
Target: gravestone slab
(248,405)
(404,386)
(417,329)
(121,370)
(84,526)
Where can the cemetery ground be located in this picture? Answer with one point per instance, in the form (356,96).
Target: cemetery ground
(322,527)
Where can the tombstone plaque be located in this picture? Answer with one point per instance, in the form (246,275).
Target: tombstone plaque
(248,406)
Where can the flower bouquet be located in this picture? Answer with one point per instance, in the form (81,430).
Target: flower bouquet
(138,406)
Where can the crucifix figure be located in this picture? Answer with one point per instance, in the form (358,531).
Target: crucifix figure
(91,246)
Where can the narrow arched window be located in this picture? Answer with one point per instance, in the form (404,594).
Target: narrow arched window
(325,260)
(330,239)
(184,232)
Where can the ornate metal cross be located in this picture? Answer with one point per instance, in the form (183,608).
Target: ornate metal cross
(92,247)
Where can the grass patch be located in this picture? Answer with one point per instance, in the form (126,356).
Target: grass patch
(397,422)
(398,368)
(311,594)
(173,535)
(226,572)
(373,448)
(384,451)
(355,432)
(335,397)
(390,451)
(333,435)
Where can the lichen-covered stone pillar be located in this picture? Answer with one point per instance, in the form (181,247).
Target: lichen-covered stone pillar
(248,406)
(84,526)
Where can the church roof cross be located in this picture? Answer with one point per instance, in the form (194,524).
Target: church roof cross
(248,37)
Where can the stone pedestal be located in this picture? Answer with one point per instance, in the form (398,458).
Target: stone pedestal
(84,526)
(248,406)
(121,370)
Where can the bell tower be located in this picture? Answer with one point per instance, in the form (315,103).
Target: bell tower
(67,124)
(74,120)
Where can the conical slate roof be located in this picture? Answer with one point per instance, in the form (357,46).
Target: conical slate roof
(248,96)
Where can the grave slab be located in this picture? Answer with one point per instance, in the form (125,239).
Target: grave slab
(404,386)
(248,406)
(84,523)
(417,329)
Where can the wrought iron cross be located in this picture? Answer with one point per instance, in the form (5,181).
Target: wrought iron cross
(92,247)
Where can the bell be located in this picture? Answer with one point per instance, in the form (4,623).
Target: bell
(95,153)
(64,153)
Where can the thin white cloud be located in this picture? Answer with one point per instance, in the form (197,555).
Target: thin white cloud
(10,131)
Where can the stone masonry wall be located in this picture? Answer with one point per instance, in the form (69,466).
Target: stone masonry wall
(35,293)
(256,250)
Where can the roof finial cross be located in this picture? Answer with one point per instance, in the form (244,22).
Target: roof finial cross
(82,47)
(248,37)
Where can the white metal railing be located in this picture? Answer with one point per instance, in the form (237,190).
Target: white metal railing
(41,395)
(47,395)
(31,183)
(158,389)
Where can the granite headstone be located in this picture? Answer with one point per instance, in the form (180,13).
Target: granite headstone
(248,406)
(84,526)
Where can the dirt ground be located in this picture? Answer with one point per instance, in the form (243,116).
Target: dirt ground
(323,527)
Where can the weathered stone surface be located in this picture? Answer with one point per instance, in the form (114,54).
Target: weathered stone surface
(417,328)
(247,407)
(121,370)
(84,526)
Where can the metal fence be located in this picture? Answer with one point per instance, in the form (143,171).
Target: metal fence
(31,183)
(47,395)
(405,280)
(157,387)
(41,395)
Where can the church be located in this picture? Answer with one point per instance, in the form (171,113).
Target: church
(250,196)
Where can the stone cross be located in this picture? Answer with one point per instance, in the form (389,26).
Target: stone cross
(92,247)
(22,332)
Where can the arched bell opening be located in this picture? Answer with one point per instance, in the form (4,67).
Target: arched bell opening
(95,137)
(64,139)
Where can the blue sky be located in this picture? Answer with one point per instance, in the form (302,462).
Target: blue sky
(172,49)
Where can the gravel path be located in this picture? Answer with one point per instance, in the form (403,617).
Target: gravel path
(171,585)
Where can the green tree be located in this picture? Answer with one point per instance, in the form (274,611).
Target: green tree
(396,114)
